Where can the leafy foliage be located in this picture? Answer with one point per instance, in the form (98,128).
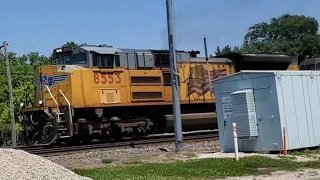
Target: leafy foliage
(289,34)
(22,75)
(70,44)
(226,50)
(294,35)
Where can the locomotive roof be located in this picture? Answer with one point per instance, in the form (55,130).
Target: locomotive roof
(110,49)
(203,59)
(257,57)
(101,50)
(253,54)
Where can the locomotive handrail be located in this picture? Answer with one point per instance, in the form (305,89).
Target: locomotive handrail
(58,110)
(70,115)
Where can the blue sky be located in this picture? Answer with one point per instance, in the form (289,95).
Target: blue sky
(36,25)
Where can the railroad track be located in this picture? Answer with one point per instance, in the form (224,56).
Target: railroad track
(132,143)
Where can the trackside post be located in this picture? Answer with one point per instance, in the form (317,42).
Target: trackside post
(235,139)
(174,79)
(284,141)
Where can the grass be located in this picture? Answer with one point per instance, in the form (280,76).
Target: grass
(198,169)
(307,153)
(190,155)
(107,161)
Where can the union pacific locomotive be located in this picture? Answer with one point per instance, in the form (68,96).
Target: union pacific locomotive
(106,93)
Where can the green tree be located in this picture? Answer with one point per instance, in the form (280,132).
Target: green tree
(23,75)
(289,34)
(70,44)
(22,72)
(226,50)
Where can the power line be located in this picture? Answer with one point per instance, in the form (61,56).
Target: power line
(30,47)
(27,50)
(23,49)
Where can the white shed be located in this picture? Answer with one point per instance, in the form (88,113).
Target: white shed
(262,103)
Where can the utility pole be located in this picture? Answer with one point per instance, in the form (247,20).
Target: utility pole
(13,129)
(174,79)
(207,60)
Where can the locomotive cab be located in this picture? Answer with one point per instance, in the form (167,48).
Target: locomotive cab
(101,56)
(69,56)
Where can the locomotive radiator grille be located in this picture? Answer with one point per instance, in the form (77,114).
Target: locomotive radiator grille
(109,96)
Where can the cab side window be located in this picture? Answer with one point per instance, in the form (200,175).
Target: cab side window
(117,61)
(107,60)
(95,60)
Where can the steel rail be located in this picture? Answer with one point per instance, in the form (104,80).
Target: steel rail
(149,137)
(45,152)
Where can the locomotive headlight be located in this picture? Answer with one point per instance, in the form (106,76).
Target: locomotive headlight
(59,50)
(40,102)
(21,104)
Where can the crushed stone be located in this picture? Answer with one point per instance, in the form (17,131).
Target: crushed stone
(20,165)
(153,153)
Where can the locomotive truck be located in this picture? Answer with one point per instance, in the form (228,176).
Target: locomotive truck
(101,92)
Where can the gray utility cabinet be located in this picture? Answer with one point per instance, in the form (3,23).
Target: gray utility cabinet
(262,103)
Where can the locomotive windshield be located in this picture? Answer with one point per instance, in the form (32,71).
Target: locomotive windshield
(67,57)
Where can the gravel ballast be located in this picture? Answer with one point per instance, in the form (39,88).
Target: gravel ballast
(20,165)
(94,158)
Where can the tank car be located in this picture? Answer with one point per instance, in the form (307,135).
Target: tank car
(106,93)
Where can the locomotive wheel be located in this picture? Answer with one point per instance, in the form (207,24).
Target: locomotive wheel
(50,135)
(105,137)
(87,140)
(137,136)
(139,132)
(73,141)
(84,137)
(154,128)
(31,141)
(115,133)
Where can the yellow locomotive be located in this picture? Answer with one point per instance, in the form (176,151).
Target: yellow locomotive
(106,93)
